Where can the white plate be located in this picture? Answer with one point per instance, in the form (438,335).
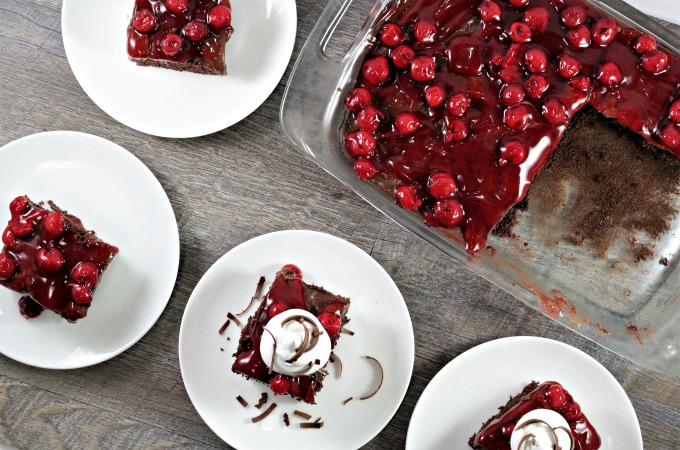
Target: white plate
(469,390)
(663,9)
(120,199)
(175,104)
(378,317)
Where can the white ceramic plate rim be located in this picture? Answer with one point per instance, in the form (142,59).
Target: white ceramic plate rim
(173,262)
(214,270)
(459,364)
(184,129)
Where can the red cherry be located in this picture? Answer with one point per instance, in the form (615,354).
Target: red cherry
(572,411)
(582,83)
(507,429)
(537,18)
(554,112)
(511,74)
(655,62)
(441,185)
(573,16)
(512,93)
(8,238)
(358,99)
(424,31)
(604,31)
(556,397)
(49,260)
(292,271)
(7,266)
(519,32)
(369,118)
(408,196)
(54,223)
(330,322)
(456,130)
(406,123)
(579,37)
(519,3)
(674,111)
(359,143)
(402,56)
(196,31)
(517,117)
(465,56)
(536,85)
(512,152)
(219,17)
(365,169)
(276,308)
(145,21)
(489,11)
(568,66)
(435,96)
(448,212)
(81,294)
(280,384)
(458,104)
(670,136)
(376,70)
(176,6)
(171,44)
(609,74)
(21,228)
(536,60)
(19,205)
(391,35)
(85,273)
(644,44)
(422,68)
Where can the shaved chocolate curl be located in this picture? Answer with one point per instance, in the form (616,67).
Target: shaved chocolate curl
(302,414)
(264,415)
(234,318)
(311,425)
(263,400)
(242,401)
(382,377)
(336,358)
(347,400)
(258,293)
(347,331)
(224,326)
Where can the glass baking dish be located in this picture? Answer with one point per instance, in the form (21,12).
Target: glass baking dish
(629,308)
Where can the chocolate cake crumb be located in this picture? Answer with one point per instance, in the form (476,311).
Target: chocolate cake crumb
(663,261)
(624,185)
(508,222)
(643,253)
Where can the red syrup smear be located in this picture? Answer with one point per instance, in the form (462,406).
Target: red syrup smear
(480,59)
(51,289)
(548,395)
(208,52)
(288,289)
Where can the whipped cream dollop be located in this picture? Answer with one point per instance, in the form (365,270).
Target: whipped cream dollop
(293,354)
(541,429)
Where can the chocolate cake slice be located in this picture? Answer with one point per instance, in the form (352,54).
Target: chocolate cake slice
(296,327)
(183,35)
(497,432)
(50,256)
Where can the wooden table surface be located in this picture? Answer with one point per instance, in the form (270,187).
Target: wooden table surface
(225,189)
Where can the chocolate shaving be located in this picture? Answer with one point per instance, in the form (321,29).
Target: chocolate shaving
(271,366)
(348,400)
(525,439)
(258,293)
(268,411)
(286,419)
(572,440)
(315,337)
(311,424)
(317,361)
(382,377)
(224,327)
(234,318)
(263,400)
(317,420)
(302,371)
(242,401)
(348,331)
(301,349)
(296,318)
(335,357)
(304,415)
(221,349)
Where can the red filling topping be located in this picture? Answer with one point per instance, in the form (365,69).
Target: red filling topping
(50,257)
(549,395)
(288,291)
(486,91)
(181,31)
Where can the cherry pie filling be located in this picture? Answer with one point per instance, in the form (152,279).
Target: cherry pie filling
(461,102)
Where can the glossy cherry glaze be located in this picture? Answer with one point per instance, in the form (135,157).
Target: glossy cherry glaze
(549,395)
(480,59)
(287,291)
(44,263)
(208,51)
